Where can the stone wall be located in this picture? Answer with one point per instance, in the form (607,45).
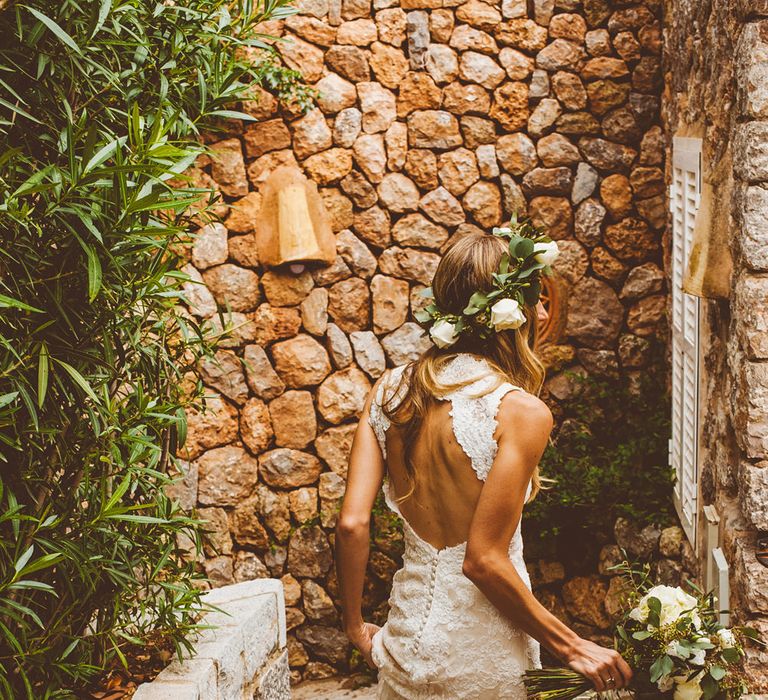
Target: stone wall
(242,653)
(435,117)
(591,604)
(716,56)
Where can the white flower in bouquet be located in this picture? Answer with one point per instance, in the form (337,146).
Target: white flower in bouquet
(674,649)
(507,314)
(443,333)
(546,253)
(665,684)
(726,638)
(688,689)
(674,602)
(699,657)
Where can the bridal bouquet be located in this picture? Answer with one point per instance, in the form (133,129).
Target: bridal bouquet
(674,644)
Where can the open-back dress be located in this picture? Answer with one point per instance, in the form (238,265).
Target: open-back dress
(443,638)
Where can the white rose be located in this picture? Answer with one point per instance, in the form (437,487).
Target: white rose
(687,690)
(674,602)
(443,333)
(546,252)
(507,313)
(727,638)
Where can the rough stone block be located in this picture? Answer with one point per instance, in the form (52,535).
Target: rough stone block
(252,589)
(752,71)
(749,403)
(753,489)
(165,691)
(200,672)
(750,303)
(754,217)
(750,155)
(751,577)
(274,681)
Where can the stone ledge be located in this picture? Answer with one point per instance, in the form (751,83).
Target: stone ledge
(242,655)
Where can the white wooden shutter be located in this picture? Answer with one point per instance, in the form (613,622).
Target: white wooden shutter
(684,197)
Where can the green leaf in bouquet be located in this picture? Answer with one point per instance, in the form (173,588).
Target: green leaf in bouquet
(504,263)
(682,649)
(477,302)
(717,672)
(514,239)
(422,315)
(641,635)
(531,292)
(732,655)
(524,248)
(702,643)
(661,667)
(654,612)
(709,687)
(622,633)
(530,270)
(427,292)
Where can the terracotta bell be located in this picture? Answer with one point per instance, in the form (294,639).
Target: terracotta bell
(293,226)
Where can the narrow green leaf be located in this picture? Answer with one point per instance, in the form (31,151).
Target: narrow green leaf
(78,379)
(24,558)
(8,303)
(42,374)
(60,34)
(5,399)
(18,110)
(94,272)
(232,114)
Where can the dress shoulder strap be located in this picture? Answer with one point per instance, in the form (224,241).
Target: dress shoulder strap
(475,423)
(378,419)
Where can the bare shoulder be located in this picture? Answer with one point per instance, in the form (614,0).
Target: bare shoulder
(520,409)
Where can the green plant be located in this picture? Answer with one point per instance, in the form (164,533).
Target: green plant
(101,105)
(608,459)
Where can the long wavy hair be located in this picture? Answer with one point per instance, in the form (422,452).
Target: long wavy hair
(466,267)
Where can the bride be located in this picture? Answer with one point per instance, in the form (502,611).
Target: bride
(454,439)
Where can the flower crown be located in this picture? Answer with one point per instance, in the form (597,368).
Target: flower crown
(516,283)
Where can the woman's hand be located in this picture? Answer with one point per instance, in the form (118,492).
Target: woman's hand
(604,667)
(361,637)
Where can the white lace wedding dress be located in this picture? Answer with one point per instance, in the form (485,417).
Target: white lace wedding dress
(443,638)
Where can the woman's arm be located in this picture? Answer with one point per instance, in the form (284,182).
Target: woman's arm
(525,423)
(364,477)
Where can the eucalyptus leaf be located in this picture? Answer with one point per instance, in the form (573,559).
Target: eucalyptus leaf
(662,666)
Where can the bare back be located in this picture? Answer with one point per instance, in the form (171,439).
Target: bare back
(451,457)
(446,488)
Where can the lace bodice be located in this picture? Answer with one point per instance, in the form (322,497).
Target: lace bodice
(435,643)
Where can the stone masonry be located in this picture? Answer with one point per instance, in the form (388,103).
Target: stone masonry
(435,118)
(716,85)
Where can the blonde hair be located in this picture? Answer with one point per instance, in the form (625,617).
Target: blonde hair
(466,267)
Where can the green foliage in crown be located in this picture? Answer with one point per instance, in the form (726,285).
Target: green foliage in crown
(516,283)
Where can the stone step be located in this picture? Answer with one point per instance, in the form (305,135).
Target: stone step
(331,689)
